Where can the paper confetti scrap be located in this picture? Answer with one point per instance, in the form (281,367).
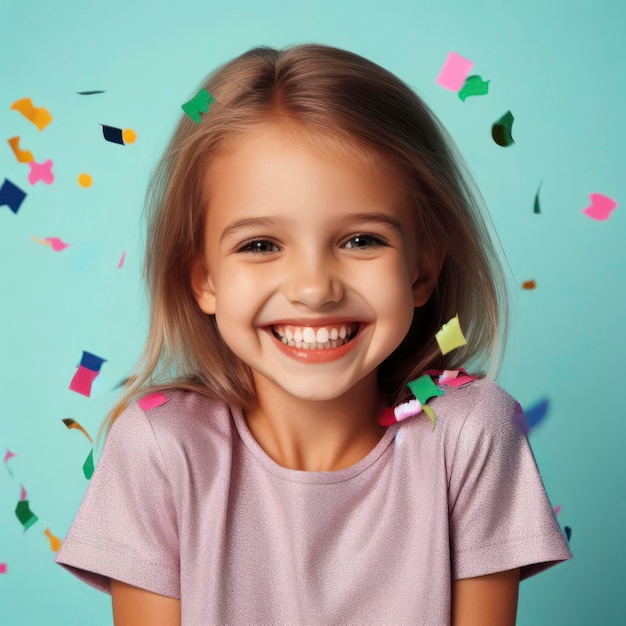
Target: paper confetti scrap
(11,195)
(152,401)
(55,542)
(25,515)
(568,533)
(600,208)
(86,373)
(502,129)
(537,206)
(423,388)
(527,420)
(23,156)
(125,382)
(90,93)
(121,261)
(450,336)
(117,135)
(85,180)
(529,284)
(88,465)
(3,568)
(41,172)
(557,509)
(7,456)
(474,86)
(200,103)
(454,72)
(39,116)
(431,414)
(70,423)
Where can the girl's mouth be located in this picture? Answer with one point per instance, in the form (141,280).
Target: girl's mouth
(316,338)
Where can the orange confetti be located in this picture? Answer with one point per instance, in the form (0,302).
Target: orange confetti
(23,156)
(70,423)
(39,116)
(55,542)
(129,135)
(85,180)
(529,284)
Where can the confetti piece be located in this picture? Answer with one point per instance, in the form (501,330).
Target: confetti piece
(55,542)
(39,116)
(529,284)
(88,465)
(152,401)
(23,156)
(450,336)
(25,515)
(433,418)
(423,388)
(461,378)
(90,93)
(531,417)
(57,244)
(11,195)
(85,180)
(454,72)
(125,382)
(568,533)
(3,568)
(121,262)
(8,456)
(600,207)
(86,373)
(502,129)
(41,172)
(537,206)
(117,135)
(474,86)
(41,242)
(557,509)
(23,494)
(200,103)
(70,423)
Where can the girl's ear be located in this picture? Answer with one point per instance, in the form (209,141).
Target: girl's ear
(202,287)
(426,275)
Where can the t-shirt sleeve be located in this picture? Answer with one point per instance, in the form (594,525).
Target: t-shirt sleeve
(125,527)
(500,515)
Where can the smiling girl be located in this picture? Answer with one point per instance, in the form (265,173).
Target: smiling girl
(308,238)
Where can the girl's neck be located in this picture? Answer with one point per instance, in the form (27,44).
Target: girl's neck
(318,436)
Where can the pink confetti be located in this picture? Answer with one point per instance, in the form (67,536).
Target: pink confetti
(82,380)
(57,244)
(119,265)
(557,509)
(41,172)
(152,401)
(3,568)
(23,495)
(8,455)
(600,207)
(454,72)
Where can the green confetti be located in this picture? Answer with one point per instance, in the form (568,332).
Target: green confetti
(474,86)
(25,515)
(423,388)
(88,465)
(537,207)
(502,129)
(200,103)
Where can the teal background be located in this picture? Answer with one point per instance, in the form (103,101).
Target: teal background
(557,65)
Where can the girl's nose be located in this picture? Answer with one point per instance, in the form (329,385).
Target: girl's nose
(313,283)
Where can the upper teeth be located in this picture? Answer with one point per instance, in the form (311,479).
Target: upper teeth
(323,336)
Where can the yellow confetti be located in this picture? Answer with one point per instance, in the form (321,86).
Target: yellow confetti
(85,180)
(430,414)
(129,135)
(450,336)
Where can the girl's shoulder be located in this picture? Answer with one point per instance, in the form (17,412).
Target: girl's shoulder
(175,415)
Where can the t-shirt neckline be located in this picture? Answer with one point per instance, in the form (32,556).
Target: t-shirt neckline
(302,476)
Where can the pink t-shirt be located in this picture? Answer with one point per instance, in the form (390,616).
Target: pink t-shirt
(185,503)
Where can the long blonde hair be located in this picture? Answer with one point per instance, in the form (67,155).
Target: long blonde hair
(346,100)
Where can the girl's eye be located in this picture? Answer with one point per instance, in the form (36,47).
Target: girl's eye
(363,241)
(259,246)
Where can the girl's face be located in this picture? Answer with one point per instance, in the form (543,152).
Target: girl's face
(313,265)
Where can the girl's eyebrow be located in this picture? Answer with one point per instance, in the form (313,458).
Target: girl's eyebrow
(378,219)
